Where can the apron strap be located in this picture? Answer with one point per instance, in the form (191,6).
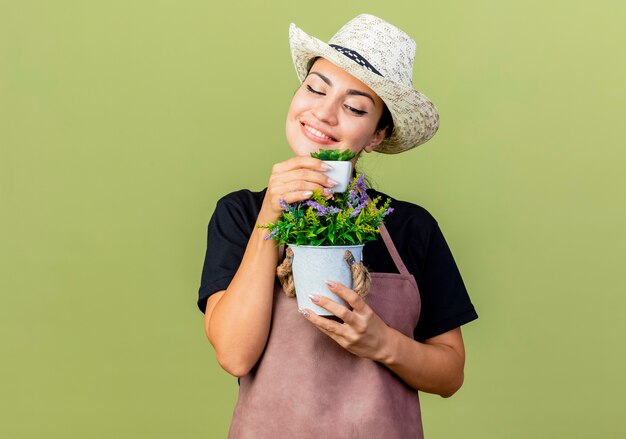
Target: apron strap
(391,248)
(393,251)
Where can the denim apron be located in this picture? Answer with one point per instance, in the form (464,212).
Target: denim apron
(305,385)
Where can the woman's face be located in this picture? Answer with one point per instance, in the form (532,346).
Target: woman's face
(333,110)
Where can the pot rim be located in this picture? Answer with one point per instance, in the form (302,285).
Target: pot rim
(347,162)
(326,246)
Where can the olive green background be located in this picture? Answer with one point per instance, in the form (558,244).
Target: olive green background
(123,122)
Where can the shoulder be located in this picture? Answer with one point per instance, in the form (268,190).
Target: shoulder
(408,220)
(242,197)
(243,201)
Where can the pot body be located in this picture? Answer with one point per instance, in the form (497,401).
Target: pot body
(314,265)
(341,173)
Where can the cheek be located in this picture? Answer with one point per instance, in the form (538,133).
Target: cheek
(291,110)
(298,104)
(362,128)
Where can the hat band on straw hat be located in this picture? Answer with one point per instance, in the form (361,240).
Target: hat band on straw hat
(356,57)
(362,43)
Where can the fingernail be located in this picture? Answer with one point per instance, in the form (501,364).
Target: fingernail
(332,182)
(326,166)
(303,312)
(331,284)
(327,191)
(314,298)
(307,193)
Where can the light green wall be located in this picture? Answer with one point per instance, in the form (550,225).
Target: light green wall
(116,122)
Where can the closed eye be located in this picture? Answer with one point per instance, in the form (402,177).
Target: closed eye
(312,90)
(348,107)
(355,111)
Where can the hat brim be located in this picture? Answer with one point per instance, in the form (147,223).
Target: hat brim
(415,117)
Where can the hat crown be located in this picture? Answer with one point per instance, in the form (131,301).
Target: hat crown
(388,49)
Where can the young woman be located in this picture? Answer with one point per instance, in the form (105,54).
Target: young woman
(357,375)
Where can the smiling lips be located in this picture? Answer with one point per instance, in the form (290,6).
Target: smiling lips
(316,135)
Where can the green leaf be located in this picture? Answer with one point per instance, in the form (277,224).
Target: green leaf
(302,226)
(333,155)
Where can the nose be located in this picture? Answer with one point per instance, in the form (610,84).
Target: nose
(326,111)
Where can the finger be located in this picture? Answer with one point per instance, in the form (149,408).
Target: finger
(292,197)
(293,186)
(303,175)
(336,308)
(350,296)
(301,162)
(329,327)
(292,193)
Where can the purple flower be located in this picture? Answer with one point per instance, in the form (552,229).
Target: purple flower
(353,198)
(334,210)
(271,235)
(322,210)
(358,209)
(286,207)
(357,194)
(360,183)
(363,197)
(389,210)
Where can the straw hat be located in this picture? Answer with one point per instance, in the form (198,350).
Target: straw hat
(381,56)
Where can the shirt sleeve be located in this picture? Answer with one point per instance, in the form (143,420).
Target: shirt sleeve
(227,237)
(445,301)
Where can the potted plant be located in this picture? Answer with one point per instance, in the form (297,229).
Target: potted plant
(341,166)
(325,240)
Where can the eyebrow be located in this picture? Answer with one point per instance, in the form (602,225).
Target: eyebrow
(351,91)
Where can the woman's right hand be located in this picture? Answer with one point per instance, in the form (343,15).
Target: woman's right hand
(294,180)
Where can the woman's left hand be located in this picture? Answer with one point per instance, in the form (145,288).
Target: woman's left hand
(362,332)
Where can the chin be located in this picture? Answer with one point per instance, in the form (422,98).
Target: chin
(302,147)
(304,152)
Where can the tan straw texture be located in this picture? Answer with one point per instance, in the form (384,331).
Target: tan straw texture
(389,51)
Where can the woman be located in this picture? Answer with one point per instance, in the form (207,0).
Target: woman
(356,375)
